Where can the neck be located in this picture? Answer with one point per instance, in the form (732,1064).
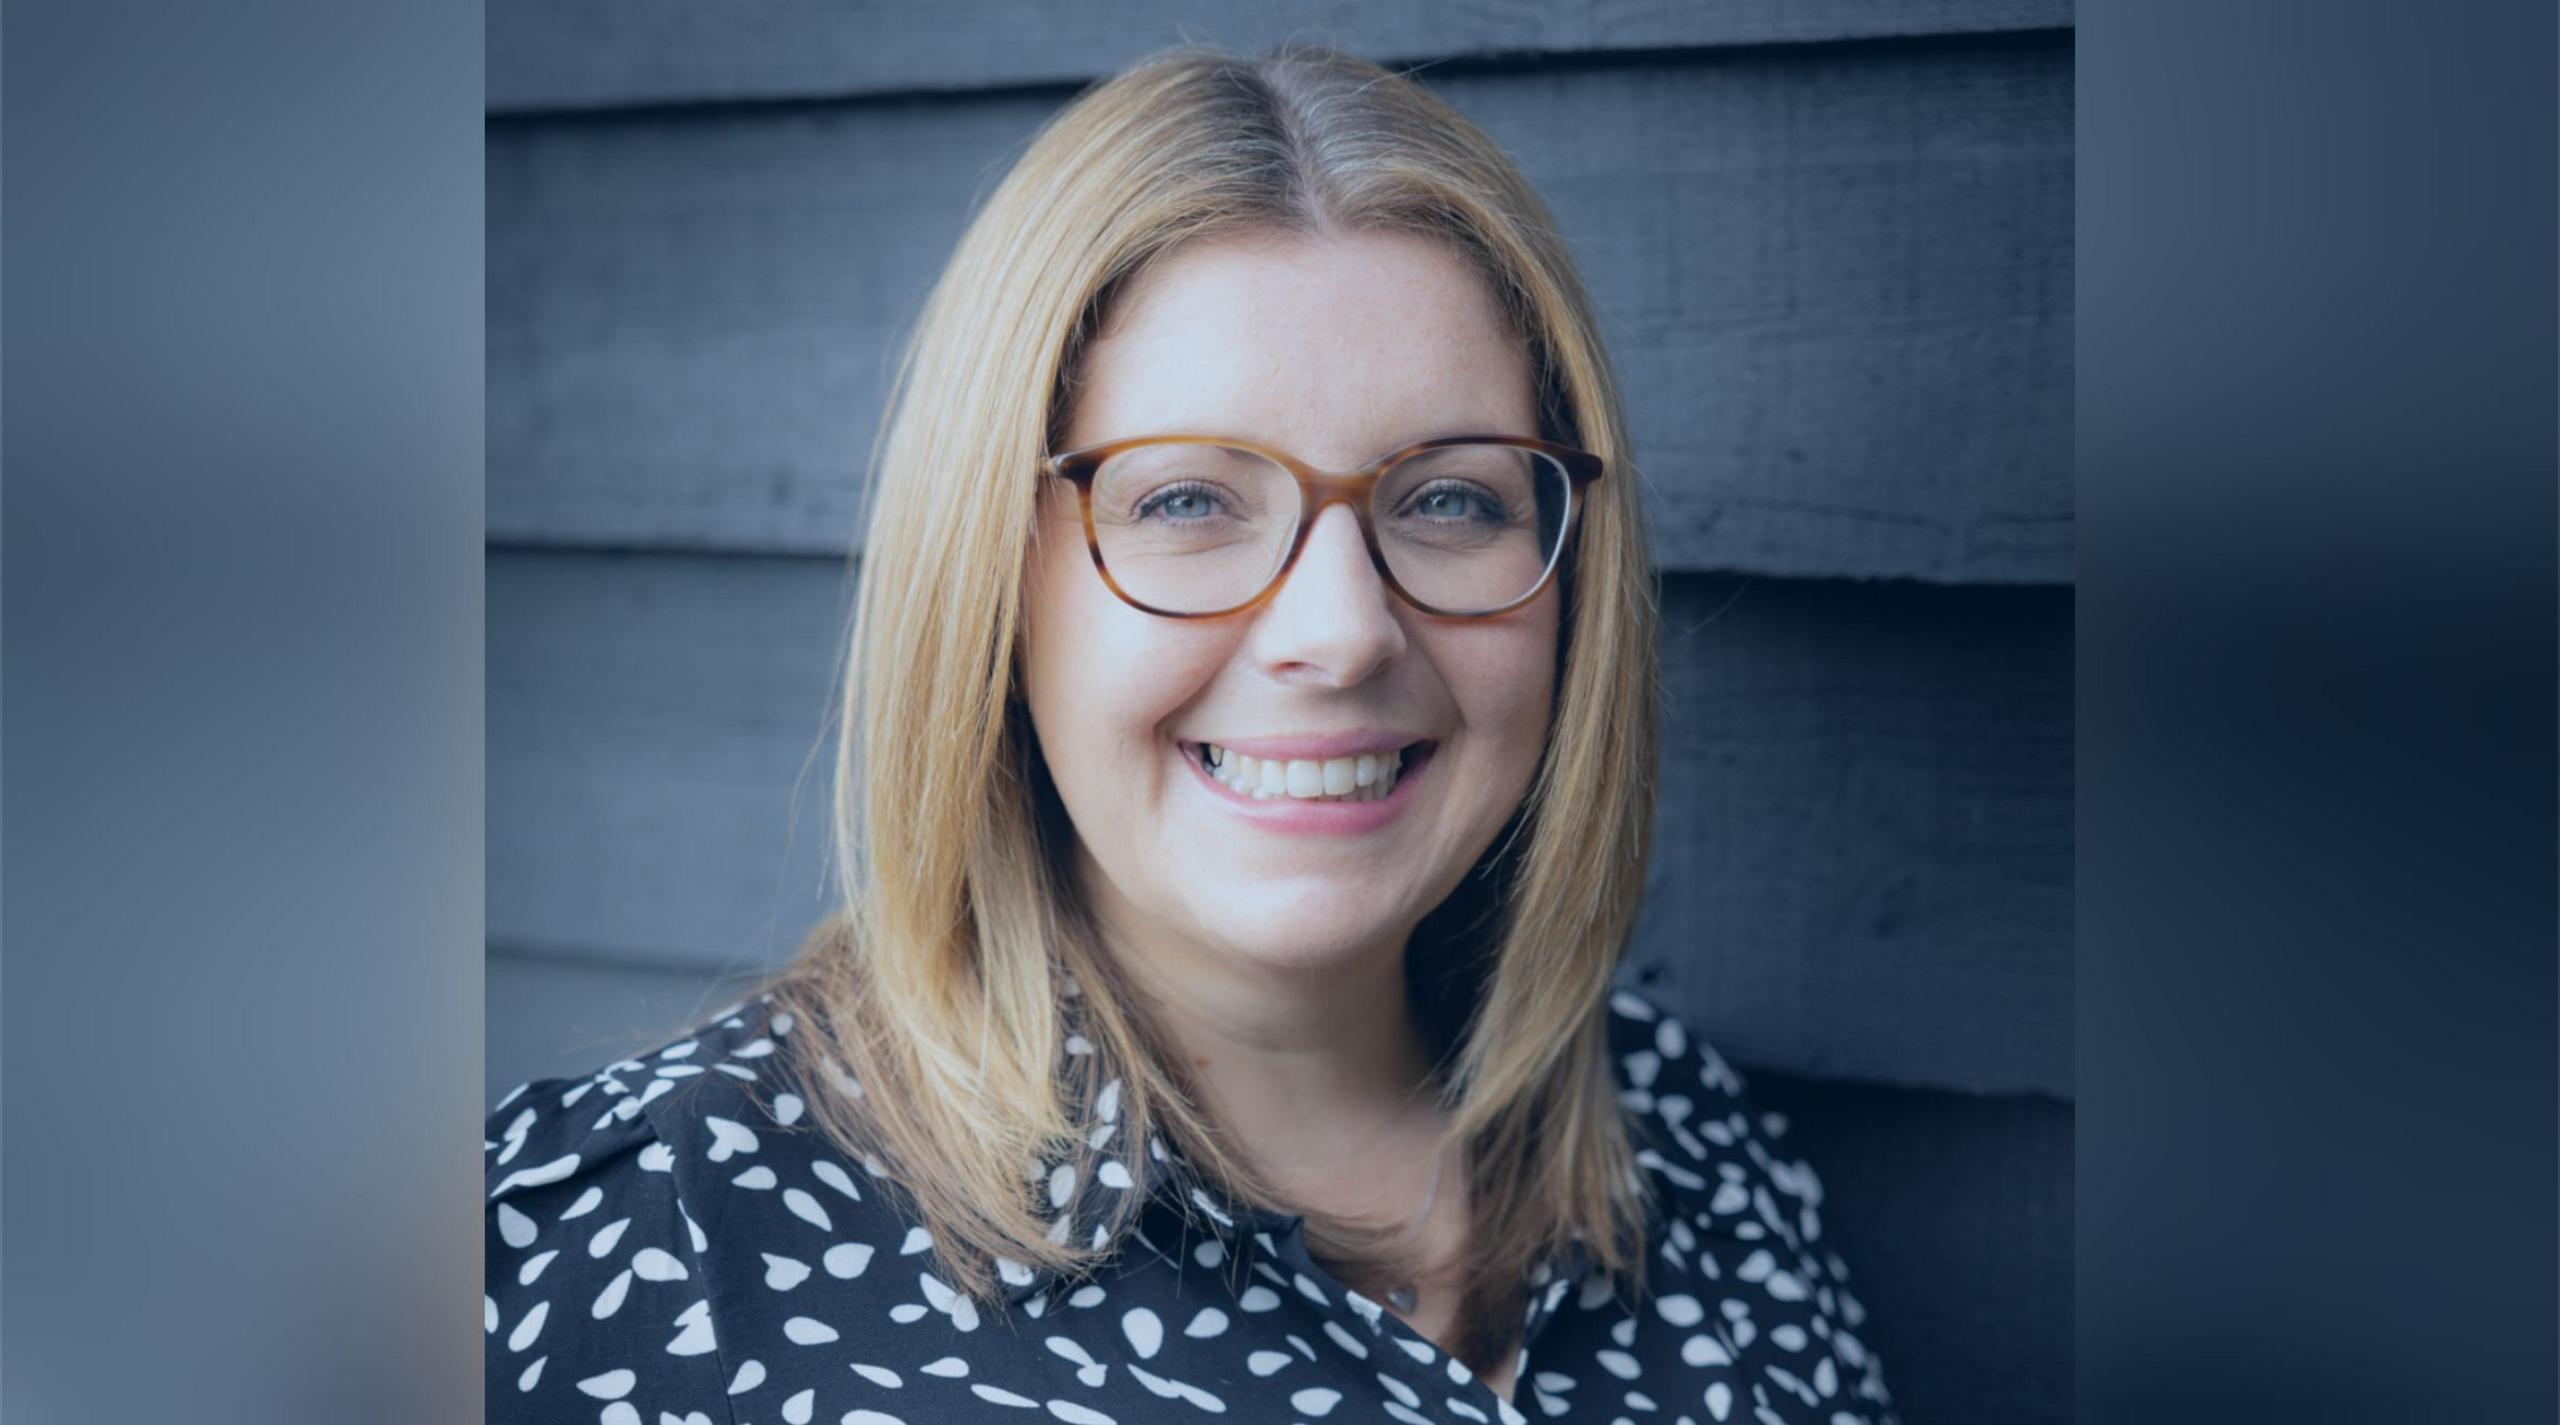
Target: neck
(1312,1070)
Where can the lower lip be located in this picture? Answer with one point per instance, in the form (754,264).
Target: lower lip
(1295,817)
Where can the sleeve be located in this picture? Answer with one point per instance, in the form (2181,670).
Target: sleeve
(596,1305)
(1786,1325)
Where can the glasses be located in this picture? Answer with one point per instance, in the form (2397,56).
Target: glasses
(1194,526)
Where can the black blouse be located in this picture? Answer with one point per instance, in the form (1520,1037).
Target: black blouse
(666,1247)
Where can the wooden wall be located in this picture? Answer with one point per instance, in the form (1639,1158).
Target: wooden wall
(1831,244)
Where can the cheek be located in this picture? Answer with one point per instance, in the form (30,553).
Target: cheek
(1502,675)
(1100,678)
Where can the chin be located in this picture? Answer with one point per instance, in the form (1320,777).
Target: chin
(1306,931)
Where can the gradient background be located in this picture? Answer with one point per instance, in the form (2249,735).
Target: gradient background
(241,572)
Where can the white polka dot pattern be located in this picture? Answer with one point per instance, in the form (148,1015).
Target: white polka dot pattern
(669,1240)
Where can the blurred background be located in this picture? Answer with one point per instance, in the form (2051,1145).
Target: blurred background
(1831,246)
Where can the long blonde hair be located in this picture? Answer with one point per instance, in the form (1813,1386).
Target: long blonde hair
(945,985)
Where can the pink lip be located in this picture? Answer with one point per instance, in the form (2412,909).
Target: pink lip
(1291,816)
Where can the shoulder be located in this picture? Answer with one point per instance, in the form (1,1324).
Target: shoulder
(605,1200)
(1719,1163)
(1665,1070)
(725,1115)
(589,1256)
(1740,1219)
(611,1108)
(703,1094)
(721,1106)
(1698,1130)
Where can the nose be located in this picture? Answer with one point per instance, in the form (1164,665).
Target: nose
(1332,622)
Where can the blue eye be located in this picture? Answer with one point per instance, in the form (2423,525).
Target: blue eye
(1180,503)
(1458,502)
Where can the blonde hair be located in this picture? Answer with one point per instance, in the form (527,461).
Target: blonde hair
(945,986)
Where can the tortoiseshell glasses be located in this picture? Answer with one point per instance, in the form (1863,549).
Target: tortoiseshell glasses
(1197,526)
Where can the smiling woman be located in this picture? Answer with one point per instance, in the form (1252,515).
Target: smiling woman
(1357,342)
(1247,756)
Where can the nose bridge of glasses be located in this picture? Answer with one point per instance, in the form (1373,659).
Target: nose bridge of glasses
(1356,488)
(1351,487)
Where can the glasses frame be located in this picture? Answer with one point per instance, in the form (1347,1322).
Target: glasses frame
(1318,489)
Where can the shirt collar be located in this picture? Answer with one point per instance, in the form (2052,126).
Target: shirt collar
(1183,1213)
(1088,1202)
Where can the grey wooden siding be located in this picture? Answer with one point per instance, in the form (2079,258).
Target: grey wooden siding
(555,1014)
(573,54)
(1954,1213)
(1836,287)
(1831,247)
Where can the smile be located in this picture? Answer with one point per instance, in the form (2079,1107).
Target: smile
(1366,778)
(1347,795)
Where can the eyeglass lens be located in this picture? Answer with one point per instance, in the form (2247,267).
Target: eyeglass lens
(1204,528)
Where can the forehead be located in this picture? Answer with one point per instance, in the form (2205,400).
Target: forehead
(1336,348)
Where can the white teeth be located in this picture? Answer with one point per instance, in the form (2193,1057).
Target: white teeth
(1357,779)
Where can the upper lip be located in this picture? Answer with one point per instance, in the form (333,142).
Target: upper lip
(1317,746)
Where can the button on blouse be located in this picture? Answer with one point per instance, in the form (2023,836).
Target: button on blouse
(670,1242)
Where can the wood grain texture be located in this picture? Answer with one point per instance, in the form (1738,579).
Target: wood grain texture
(1865,832)
(551,1016)
(1836,285)
(1955,1215)
(565,54)
(1864,853)
(657,782)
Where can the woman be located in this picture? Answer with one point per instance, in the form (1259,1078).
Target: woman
(1242,801)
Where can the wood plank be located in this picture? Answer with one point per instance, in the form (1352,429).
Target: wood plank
(554,1017)
(657,780)
(562,54)
(1955,1216)
(1837,285)
(1864,860)
(1865,857)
